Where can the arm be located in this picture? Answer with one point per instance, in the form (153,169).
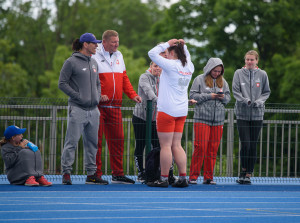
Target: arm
(265,92)
(64,80)
(99,87)
(127,87)
(195,92)
(145,84)
(9,155)
(164,63)
(226,96)
(236,90)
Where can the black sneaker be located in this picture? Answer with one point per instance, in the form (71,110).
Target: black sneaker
(247,180)
(172,179)
(94,179)
(180,183)
(141,177)
(209,181)
(241,179)
(121,180)
(66,179)
(158,183)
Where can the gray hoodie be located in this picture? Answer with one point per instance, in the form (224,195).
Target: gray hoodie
(80,81)
(209,111)
(148,90)
(250,99)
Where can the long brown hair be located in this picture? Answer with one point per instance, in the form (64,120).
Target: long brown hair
(179,50)
(209,81)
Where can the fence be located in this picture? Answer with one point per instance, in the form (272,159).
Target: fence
(45,120)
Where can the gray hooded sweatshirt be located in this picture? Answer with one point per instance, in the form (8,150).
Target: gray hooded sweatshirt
(80,81)
(209,111)
(148,90)
(250,98)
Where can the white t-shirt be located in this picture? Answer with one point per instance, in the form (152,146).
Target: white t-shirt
(174,82)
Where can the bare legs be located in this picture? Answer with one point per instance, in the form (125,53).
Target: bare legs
(170,144)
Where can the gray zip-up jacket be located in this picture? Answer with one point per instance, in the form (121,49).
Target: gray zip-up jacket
(79,80)
(250,98)
(147,90)
(209,111)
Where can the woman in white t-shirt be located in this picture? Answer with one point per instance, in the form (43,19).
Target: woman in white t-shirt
(172,107)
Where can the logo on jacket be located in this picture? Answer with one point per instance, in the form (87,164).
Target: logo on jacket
(94,68)
(257,84)
(84,69)
(117,62)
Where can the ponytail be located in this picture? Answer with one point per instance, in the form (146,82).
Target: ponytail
(77,46)
(179,50)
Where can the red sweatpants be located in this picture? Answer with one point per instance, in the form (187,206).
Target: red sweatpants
(112,126)
(206,144)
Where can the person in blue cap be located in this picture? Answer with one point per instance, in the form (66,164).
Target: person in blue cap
(23,163)
(80,81)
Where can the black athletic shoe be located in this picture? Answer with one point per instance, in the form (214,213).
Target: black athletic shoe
(121,180)
(180,183)
(94,179)
(247,180)
(66,179)
(241,179)
(141,177)
(158,183)
(209,181)
(172,179)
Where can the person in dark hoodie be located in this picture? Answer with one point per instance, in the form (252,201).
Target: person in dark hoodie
(211,91)
(251,89)
(23,164)
(80,81)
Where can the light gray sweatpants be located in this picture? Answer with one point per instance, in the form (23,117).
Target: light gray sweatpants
(85,123)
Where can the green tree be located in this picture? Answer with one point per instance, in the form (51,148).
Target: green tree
(14,81)
(49,81)
(32,37)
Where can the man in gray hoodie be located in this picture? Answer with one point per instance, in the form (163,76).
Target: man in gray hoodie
(80,81)
(250,87)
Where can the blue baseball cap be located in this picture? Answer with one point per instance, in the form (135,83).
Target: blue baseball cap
(89,37)
(13,130)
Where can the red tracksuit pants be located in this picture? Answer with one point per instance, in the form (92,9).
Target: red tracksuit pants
(112,125)
(206,144)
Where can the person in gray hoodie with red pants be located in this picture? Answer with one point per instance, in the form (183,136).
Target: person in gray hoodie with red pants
(211,91)
(251,89)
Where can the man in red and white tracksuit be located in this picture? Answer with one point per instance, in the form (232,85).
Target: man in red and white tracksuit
(114,81)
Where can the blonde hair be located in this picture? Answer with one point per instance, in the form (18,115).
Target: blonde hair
(109,33)
(252,52)
(209,81)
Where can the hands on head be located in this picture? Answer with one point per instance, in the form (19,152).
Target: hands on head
(174,42)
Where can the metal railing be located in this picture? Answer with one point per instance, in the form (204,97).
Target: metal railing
(45,121)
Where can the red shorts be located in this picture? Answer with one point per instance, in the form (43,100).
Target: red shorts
(167,123)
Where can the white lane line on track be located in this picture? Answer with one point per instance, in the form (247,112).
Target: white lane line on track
(149,217)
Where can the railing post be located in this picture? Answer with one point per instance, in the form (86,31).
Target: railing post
(52,149)
(148,125)
(230,143)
